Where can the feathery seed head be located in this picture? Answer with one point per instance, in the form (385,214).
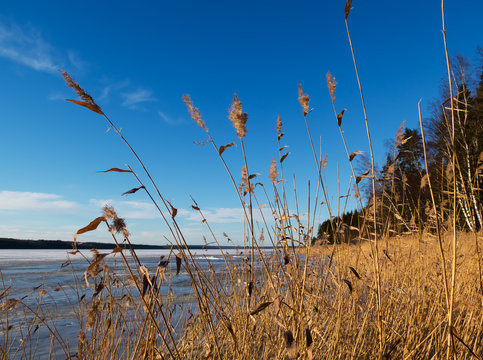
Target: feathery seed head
(92,313)
(119,226)
(81,340)
(238,117)
(324,162)
(109,212)
(246,186)
(303,100)
(279,125)
(357,195)
(399,135)
(244,175)
(424,181)
(449,172)
(78,90)
(273,171)
(331,84)
(194,112)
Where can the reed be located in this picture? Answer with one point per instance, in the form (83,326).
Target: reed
(388,296)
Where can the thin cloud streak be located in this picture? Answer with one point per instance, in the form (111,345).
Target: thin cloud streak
(139,96)
(30,201)
(25,46)
(169,120)
(217,215)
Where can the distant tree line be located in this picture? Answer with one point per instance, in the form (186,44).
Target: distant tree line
(403,197)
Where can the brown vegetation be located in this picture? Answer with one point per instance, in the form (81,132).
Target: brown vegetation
(417,296)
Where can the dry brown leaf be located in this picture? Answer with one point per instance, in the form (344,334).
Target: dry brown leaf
(230,329)
(286,259)
(179,258)
(92,107)
(260,307)
(195,207)
(92,226)
(116,250)
(308,338)
(99,288)
(349,284)
(353,155)
(290,345)
(283,157)
(116,170)
(309,342)
(347,8)
(132,191)
(224,147)
(9,304)
(339,117)
(359,178)
(146,280)
(280,136)
(354,271)
(163,262)
(174,211)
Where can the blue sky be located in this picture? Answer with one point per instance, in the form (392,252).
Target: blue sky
(137,60)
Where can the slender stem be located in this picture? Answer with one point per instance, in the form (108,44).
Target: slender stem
(440,240)
(376,245)
(451,344)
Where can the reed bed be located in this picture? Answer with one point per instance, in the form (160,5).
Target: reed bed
(416,295)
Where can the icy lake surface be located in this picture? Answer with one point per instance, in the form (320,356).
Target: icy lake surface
(26,273)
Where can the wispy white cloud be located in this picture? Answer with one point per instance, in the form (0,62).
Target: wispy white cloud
(105,93)
(30,201)
(169,120)
(146,210)
(215,215)
(111,88)
(133,99)
(56,96)
(77,63)
(26,46)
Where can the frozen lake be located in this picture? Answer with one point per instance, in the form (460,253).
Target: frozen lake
(53,281)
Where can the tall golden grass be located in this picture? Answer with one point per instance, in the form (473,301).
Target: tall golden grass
(384,298)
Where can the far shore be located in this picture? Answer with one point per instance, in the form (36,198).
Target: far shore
(9,243)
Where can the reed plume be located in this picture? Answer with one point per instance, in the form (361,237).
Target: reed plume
(238,117)
(194,112)
(304,100)
(331,84)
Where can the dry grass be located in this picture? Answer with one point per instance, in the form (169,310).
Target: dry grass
(385,298)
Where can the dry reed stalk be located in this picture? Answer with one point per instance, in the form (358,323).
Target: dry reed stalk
(451,345)
(373,175)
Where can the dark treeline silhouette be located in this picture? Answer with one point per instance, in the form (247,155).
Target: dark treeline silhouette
(403,197)
(8,243)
